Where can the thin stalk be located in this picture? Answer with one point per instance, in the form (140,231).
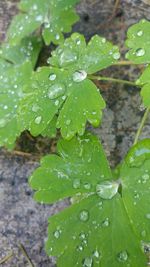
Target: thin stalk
(124,63)
(6,258)
(141,126)
(26,255)
(100,78)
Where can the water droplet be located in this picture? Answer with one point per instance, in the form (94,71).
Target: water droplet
(79,248)
(87,186)
(46,25)
(148,215)
(39,18)
(87,262)
(5,107)
(107,190)
(96,253)
(56,102)
(122,256)
(139,33)
(55,91)
(3,122)
(52,77)
(82,236)
(79,76)
(76,183)
(103,40)
(140,52)
(68,122)
(38,120)
(84,215)
(57,36)
(105,223)
(145,178)
(116,55)
(35,108)
(57,234)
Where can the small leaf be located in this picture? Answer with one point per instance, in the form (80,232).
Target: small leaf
(54,17)
(138,39)
(88,233)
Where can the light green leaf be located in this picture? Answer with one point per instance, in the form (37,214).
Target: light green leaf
(55,17)
(144,81)
(76,55)
(64,88)
(109,223)
(138,40)
(12,81)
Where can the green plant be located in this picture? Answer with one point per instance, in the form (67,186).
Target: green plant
(107,223)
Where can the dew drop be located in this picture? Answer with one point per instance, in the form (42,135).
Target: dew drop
(139,33)
(140,52)
(68,122)
(107,190)
(56,102)
(96,254)
(52,77)
(38,120)
(76,183)
(105,223)
(57,234)
(79,76)
(87,186)
(87,262)
(145,178)
(5,107)
(79,248)
(35,108)
(122,256)
(148,216)
(55,91)
(116,55)
(57,36)
(84,215)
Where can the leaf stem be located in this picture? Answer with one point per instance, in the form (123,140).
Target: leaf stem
(26,255)
(141,125)
(100,78)
(6,258)
(124,63)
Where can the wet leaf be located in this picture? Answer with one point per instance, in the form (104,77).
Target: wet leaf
(16,66)
(138,39)
(64,89)
(54,16)
(108,228)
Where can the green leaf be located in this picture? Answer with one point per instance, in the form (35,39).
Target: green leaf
(108,225)
(144,81)
(12,81)
(55,16)
(138,40)
(64,88)
(28,49)
(74,54)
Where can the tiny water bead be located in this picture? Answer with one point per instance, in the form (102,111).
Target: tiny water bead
(79,76)
(68,122)
(87,262)
(76,183)
(57,234)
(122,256)
(52,77)
(116,55)
(96,254)
(140,52)
(105,223)
(140,33)
(84,215)
(38,120)
(80,248)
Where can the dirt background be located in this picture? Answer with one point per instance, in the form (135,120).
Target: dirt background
(22,221)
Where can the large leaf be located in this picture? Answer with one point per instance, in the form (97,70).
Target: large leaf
(108,223)
(55,17)
(138,40)
(65,89)
(144,81)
